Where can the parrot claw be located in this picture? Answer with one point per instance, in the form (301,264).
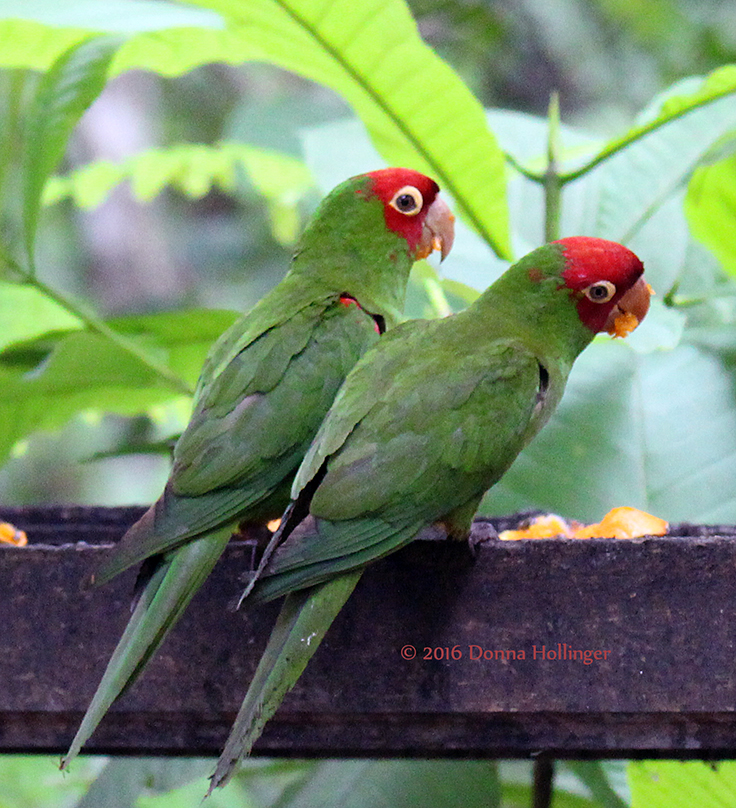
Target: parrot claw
(481,533)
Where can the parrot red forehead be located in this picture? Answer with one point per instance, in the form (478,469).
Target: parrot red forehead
(591,259)
(386,182)
(594,264)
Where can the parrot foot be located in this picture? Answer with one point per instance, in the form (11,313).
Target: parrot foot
(436,546)
(481,533)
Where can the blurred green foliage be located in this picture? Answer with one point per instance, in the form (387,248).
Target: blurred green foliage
(676,784)
(179,783)
(177,202)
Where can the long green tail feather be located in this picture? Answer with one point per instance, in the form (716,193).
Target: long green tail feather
(301,625)
(162,602)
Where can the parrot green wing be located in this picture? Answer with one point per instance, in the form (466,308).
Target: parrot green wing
(356,399)
(237,451)
(234,434)
(427,440)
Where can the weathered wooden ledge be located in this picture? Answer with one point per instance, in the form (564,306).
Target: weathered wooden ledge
(657,617)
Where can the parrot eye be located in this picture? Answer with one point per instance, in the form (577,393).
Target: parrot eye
(407,200)
(600,292)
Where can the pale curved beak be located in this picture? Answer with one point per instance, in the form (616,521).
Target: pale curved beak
(630,310)
(438,231)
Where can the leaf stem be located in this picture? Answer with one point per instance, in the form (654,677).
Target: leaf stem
(674,301)
(14,85)
(639,132)
(437,297)
(552,181)
(614,146)
(522,169)
(99,327)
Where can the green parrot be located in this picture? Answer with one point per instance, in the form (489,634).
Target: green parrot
(425,423)
(263,392)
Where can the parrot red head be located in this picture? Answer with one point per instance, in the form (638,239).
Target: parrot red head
(607,280)
(413,209)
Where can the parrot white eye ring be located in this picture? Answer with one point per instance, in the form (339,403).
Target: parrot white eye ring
(407,200)
(600,292)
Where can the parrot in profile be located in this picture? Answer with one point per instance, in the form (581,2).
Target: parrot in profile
(429,419)
(263,392)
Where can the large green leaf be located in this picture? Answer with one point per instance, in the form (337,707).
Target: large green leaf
(517,789)
(32,780)
(674,104)
(399,784)
(84,372)
(710,206)
(418,111)
(599,778)
(682,784)
(522,796)
(637,181)
(124,780)
(26,314)
(653,430)
(114,17)
(63,94)
(190,796)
